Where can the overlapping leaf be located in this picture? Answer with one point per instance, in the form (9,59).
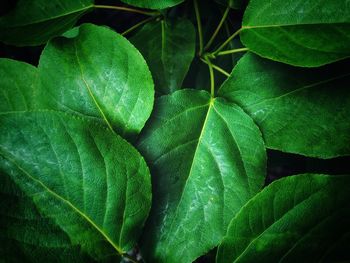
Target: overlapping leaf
(90,182)
(304,217)
(168,47)
(34,22)
(302,111)
(207,158)
(97,73)
(302,33)
(153,4)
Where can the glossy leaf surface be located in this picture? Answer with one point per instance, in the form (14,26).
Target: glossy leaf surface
(89,181)
(97,73)
(302,33)
(207,159)
(302,111)
(303,217)
(153,4)
(17,82)
(168,47)
(34,22)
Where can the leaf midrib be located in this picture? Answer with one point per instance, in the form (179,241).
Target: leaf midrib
(51,18)
(62,199)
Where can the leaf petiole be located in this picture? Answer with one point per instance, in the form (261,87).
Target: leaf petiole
(127,9)
(217,68)
(232,51)
(211,73)
(217,28)
(199,25)
(139,24)
(227,41)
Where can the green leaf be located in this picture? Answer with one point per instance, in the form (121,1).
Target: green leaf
(17,82)
(34,22)
(299,218)
(26,235)
(97,74)
(89,181)
(207,159)
(169,48)
(298,110)
(153,4)
(301,33)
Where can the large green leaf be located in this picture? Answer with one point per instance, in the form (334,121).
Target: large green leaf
(89,181)
(298,110)
(153,4)
(299,218)
(34,22)
(207,159)
(99,74)
(17,82)
(168,47)
(26,235)
(302,33)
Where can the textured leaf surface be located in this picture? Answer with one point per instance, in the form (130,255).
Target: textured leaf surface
(302,33)
(153,4)
(34,22)
(89,181)
(17,81)
(302,111)
(207,159)
(26,235)
(98,74)
(304,217)
(168,47)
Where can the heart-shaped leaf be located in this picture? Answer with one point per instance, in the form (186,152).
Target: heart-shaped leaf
(304,217)
(302,33)
(97,73)
(153,4)
(89,181)
(168,47)
(207,159)
(298,110)
(34,22)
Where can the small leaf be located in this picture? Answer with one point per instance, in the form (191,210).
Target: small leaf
(207,159)
(27,235)
(153,4)
(17,82)
(303,217)
(301,33)
(298,110)
(97,74)
(168,47)
(34,22)
(89,181)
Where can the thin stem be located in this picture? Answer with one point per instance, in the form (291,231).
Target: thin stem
(130,258)
(127,9)
(199,25)
(232,51)
(222,71)
(138,25)
(211,73)
(227,41)
(217,29)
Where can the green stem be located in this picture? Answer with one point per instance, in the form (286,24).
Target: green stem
(211,72)
(227,41)
(130,258)
(232,51)
(217,28)
(222,71)
(139,24)
(199,25)
(127,9)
